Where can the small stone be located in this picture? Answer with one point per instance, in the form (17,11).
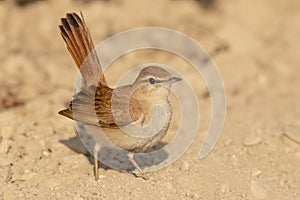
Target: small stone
(45,153)
(60,169)
(185,166)
(235,161)
(4,146)
(227,142)
(283,182)
(101,176)
(256,173)
(251,141)
(258,190)
(292,132)
(6,132)
(224,189)
(43,144)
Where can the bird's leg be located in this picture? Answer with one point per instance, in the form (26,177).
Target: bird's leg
(130,157)
(96,167)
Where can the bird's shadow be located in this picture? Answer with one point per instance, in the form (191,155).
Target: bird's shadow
(115,158)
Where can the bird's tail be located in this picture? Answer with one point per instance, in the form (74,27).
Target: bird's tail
(78,40)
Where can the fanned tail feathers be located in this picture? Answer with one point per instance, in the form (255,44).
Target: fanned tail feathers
(78,40)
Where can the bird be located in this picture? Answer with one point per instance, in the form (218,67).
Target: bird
(114,109)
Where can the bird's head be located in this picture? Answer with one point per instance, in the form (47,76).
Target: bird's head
(154,83)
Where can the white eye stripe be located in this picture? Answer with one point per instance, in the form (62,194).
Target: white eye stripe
(146,78)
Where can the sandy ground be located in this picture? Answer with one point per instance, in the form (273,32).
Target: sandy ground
(253,159)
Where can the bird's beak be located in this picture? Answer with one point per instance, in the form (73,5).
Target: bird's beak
(174,79)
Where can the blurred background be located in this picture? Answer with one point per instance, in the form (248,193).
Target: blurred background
(255,45)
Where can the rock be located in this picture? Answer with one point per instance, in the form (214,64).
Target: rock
(185,166)
(4,146)
(258,190)
(6,132)
(293,132)
(224,189)
(45,153)
(251,141)
(256,173)
(101,176)
(227,142)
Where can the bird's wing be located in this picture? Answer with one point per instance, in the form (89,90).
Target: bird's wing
(94,106)
(78,40)
(124,107)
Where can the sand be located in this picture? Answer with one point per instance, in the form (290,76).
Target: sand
(255,45)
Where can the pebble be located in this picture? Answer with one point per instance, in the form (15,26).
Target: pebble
(283,182)
(60,169)
(235,161)
(4,146)
(224,189)
(185,166)
(43,144)
(6,132)
(45,153)
(258,190)
(256,173)
(227,142)
(292,132)
(251,141)
(101,176)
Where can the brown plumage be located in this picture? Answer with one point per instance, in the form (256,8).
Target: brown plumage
(98,104)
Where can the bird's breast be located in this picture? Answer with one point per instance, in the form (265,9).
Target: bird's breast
(132,137)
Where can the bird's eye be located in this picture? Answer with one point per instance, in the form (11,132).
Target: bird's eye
(151,80)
